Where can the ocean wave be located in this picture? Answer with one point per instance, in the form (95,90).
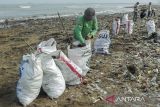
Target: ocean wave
(112,11)
(73,7)
(25,7)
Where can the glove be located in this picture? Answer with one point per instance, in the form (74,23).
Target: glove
(82,45)
(89,37)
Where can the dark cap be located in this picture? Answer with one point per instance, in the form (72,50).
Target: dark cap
(89,13)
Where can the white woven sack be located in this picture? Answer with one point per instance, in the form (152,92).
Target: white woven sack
(29,84)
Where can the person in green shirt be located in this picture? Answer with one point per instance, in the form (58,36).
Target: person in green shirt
(86,27)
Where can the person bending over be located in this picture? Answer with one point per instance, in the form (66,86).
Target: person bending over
(86,27)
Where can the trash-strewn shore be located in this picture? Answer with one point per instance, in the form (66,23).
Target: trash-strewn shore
(132,69)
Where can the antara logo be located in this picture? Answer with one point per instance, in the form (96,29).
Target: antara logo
(113,99)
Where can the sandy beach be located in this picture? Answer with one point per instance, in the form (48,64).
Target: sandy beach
(106,76)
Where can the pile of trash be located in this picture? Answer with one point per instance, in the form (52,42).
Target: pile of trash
(134,67)
(51,69)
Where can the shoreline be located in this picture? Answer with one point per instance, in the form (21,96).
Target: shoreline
(101,13)
(23,21)
(48,16)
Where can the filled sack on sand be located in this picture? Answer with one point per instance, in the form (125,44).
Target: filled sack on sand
(81,56)
(150,27)
(30,81)
(129,26)
(124,19)
(47,47)
(115,26)
(102,43)
(70,71)
(53,82)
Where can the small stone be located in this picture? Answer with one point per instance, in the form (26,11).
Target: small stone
(132,69)
(98,81)
(89,92)
(155,71)
(149,72)
(133,77)
(85,82)
(69,99)
(102,73)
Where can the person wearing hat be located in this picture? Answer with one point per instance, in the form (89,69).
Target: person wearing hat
(86,27)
